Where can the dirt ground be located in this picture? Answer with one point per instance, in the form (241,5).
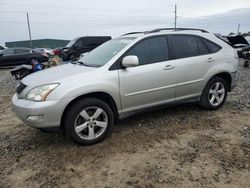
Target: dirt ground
(178,146)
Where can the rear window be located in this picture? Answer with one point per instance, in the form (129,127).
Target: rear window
(213,48)
(203,49)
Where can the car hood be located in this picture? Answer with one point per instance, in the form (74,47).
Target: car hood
(55,74)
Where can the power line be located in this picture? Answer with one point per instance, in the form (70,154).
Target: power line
(82,8)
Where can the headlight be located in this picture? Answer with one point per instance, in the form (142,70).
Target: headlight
(40,93)
(65,50)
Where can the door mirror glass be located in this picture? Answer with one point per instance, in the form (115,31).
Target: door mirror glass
(130,61)
(1,54)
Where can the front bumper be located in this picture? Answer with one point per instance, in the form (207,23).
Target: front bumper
(64,55)
(49,112)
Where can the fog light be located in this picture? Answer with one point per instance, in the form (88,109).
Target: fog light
(35,118)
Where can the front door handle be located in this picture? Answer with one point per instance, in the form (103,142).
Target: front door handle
(168,67)
(210,59)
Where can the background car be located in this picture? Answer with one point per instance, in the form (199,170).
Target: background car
(2,47)
(57,51)
(44,51)
(81,45)
(19,56)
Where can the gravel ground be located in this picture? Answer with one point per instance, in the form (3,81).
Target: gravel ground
(178,146)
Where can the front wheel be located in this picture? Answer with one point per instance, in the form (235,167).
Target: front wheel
(89,121)
(214,94)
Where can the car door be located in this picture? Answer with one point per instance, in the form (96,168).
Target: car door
(7,57)
(89,43)
(21,56)
(192,60)
(153,81)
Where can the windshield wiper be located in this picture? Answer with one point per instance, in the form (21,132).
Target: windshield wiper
(82,63)
(77,62)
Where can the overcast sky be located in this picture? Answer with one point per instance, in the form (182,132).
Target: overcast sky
(69,19)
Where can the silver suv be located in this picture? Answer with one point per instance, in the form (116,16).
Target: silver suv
(134,72)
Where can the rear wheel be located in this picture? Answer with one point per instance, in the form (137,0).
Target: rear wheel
(214,94)
(246,64)
(89,121)
(34,60)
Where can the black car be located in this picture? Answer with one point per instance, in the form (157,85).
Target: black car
(18,56)
(81,45)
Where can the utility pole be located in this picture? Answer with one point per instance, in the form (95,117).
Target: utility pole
(175,16)
(28,21)
(238,30)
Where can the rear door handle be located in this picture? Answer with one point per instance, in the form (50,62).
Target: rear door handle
(210,59)
(168,67)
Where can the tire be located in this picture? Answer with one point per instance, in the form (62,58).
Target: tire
(89,121)
(246,64)
(34,59)
(214,94)
(72,57)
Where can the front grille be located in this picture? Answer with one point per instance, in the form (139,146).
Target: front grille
(20,88)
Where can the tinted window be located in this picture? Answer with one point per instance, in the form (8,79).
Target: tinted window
(22,51)
(184,46)
(78,44)
(8,52)
(203,49)
(151,50)
(211,46)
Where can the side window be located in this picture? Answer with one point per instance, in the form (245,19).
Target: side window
(213,48)
(21,51)
(203,49)
(184,46)
(151,50)
(8,52)
(78,44)
(90,42)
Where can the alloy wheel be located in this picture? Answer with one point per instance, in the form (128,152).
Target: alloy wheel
(216,94)
(91,123)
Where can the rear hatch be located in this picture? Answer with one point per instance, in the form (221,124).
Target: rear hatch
(240,44)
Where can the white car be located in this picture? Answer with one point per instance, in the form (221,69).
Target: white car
(125,75)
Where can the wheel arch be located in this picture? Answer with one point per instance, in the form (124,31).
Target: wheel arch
(99,95)
(226,76)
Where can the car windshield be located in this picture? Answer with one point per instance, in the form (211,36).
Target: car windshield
(103,53)
(71,42)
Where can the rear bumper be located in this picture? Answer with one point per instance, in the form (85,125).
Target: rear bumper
(235,77)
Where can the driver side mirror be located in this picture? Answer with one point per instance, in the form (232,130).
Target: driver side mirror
(130,61)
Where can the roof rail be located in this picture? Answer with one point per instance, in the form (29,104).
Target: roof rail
(133,33)
(175,29)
